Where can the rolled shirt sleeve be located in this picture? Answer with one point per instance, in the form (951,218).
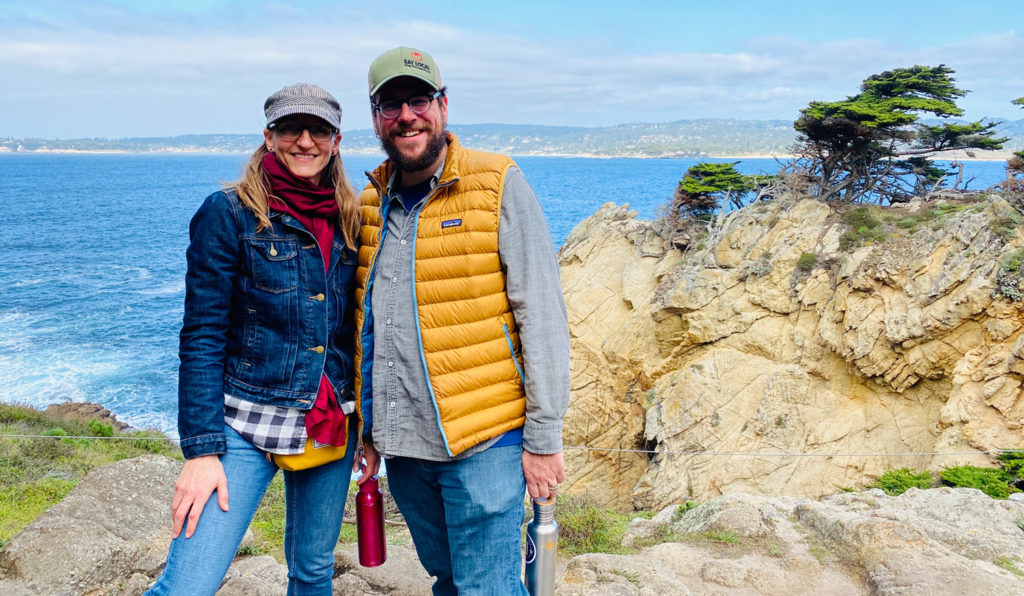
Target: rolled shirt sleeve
(535,293)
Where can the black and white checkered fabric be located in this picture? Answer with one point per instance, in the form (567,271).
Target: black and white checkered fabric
(271,428)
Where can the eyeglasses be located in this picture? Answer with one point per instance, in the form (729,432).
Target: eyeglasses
(391,108)
(289,131)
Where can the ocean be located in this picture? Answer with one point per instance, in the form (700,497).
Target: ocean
(92,277)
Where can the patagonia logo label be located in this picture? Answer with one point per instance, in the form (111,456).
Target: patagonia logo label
(451,223)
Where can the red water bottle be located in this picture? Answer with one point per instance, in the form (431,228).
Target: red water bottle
(370,524)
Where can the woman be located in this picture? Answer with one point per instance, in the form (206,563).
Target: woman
(266,351)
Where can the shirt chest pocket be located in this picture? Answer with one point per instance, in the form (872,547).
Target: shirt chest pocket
(273,263)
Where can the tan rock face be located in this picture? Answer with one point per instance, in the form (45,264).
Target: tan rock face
(743,373)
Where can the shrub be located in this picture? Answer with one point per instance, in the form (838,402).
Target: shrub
(1006,227)
(807,261)
(682,509)
(584,528)
(99,429)
(861,217)
(37,472)
(896,482)
(1009,275)
(994,482)
(864,228)
(1013,462)
(756,268)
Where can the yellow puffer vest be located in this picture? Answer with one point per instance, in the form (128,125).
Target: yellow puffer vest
(468,335)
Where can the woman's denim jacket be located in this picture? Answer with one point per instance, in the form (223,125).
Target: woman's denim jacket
(262,321)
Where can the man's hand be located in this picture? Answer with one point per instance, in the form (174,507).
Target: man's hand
(372,462)
(543,473)
(199,477)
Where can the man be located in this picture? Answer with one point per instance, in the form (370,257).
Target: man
(463,359)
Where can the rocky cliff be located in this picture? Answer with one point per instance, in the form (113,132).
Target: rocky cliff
(794,350)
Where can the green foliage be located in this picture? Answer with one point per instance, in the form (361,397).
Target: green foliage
(584,528)
(703,187)
(35,473)
(1010,275)
(1006,227)
(713,178)
(864,228)
(682,509)
(853,146)
(896,482)
(22,502)
(707,186)
(1010,565)
(269,522)
(807,261)
(268,525)
(861,217)
(1013,462)
(99,429)
(974,135)
(994,482)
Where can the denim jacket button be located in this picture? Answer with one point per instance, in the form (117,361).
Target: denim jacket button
(319,349)
(319,297)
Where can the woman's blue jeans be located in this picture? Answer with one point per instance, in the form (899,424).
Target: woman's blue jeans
(315,503)
(466,519)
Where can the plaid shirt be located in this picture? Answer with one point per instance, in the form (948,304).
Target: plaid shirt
(271,428)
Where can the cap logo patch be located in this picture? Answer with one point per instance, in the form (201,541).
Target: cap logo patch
(417,65)
(451,223)
(417,56)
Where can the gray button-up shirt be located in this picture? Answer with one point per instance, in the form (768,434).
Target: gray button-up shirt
(405,420)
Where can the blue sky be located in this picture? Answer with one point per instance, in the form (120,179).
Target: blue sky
(119,68)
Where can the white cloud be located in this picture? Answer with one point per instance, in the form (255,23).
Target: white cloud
(192,74)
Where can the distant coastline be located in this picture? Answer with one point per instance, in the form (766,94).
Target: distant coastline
(994,156)
(684,139)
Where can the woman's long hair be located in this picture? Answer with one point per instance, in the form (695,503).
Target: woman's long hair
(254,188)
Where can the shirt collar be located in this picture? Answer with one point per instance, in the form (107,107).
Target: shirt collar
(433,179)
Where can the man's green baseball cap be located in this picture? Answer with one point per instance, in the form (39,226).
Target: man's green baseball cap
(403,62)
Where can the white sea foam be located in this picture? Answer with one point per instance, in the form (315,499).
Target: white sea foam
(168,288)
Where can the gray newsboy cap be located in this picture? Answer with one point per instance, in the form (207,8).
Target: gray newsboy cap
(303,98)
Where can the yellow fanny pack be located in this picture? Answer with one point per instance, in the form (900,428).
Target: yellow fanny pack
(315,454)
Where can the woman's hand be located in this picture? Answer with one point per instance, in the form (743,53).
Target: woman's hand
(372,459)
(199,477)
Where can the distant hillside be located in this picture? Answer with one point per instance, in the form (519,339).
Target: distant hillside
(684,138)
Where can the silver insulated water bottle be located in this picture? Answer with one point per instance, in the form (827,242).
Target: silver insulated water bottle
(541,548)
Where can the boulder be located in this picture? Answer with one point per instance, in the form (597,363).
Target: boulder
(113,524)
(920,543)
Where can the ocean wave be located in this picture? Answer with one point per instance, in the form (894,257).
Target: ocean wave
(140,273)
(165,289)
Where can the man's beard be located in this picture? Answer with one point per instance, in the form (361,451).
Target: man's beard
(435,145)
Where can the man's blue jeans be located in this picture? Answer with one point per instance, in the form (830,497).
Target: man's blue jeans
(466,518)
(315,502)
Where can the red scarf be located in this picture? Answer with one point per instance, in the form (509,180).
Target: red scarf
(317,210)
